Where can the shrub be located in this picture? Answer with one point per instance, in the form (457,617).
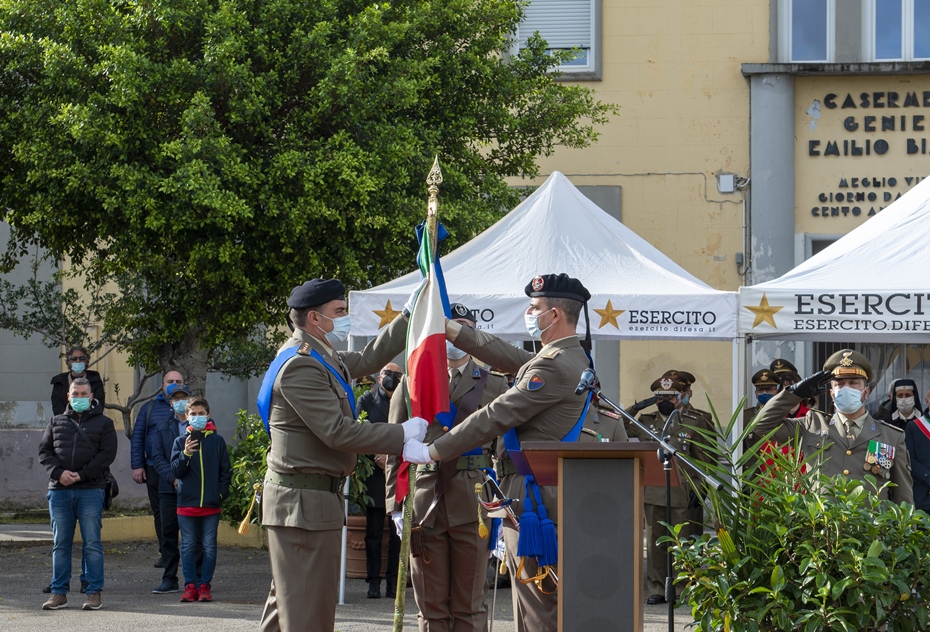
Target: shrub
(793,549)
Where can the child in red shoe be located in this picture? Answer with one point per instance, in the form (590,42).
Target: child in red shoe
(200,462)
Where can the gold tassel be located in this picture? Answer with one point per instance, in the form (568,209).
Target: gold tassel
(247,521)
(483,532)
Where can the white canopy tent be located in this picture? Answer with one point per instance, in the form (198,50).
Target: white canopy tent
(636,291)
(872,285)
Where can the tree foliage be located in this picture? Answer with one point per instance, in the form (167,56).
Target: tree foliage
(221,151)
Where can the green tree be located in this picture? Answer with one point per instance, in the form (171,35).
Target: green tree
(211,154)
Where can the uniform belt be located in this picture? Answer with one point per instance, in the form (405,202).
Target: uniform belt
(473,462)
(320,482)
(505,467)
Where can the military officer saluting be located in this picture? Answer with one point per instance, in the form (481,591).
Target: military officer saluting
(450,574)
(667,395)
(854,443)
(541,406)
(307,402)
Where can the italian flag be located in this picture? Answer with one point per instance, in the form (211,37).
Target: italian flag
(427,377)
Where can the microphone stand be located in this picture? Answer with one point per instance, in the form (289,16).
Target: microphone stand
(666,453)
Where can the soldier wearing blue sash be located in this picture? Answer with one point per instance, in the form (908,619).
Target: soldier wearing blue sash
(541,406)
(308,406)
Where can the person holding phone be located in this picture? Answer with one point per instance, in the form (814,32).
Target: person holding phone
(200,462)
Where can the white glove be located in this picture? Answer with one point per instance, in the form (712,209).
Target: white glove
(417,452)
(408,306)
(398,518)
(415,429)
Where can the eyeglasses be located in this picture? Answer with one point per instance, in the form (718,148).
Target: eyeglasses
(78,359)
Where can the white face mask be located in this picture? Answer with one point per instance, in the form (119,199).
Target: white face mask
(453,352)
(532,324)
(341,328)
(905,404)
(847,399)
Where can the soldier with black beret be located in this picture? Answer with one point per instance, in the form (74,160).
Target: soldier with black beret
(855,444)
(314,441)
(668,391)
(541,406)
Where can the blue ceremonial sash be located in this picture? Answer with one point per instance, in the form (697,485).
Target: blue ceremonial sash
(264,393)
(513,444)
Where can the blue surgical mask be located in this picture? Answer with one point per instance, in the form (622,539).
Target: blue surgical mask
(685,400)
(453,352)
(198,422)
(341,328)
(763,398)
(80,404)
(78,367)
(179,406)
(532,324)
(847,400)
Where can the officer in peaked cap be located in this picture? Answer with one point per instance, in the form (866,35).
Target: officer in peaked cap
(855,444)
(779,366)
(669,391)
(307,401)
(541,405)
(449,575)
(765,383)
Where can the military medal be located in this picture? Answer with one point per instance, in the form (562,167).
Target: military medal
(866,467)
(871,458)
(876,469)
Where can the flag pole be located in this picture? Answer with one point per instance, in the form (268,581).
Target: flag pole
(434,179)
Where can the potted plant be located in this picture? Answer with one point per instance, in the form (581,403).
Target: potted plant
(792,549)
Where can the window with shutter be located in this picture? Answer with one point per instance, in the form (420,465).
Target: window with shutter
(566,25)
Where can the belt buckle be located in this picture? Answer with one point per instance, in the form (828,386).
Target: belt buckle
(471,462)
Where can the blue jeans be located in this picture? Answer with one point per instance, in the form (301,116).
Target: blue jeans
(67,507)
(197,532)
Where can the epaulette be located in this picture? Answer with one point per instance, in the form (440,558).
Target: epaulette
(552,353)
(498,373)
(593,433)
(608,413)
(692,414)
(888,425)
(304,349)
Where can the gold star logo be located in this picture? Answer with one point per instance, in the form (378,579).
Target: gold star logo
(609,315)
(764,312)
(386,315)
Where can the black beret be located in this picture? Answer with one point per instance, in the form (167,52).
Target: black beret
(460,311)
(316,292)
(557,286)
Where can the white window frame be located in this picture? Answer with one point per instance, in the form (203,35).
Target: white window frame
(907,31)
(784,34)
(589,71)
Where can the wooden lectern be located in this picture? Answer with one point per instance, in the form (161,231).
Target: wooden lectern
(600,526)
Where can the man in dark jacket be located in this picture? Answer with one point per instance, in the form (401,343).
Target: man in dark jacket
(149,418)
(77,358)
(159,450)
(77,449)
(376,403)
(917,441)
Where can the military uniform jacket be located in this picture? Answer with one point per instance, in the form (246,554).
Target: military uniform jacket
(313,430)
(461,504)
(842,455)
(602,427)
(542,404)
(682,432)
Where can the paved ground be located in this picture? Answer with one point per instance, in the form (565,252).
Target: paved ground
(240,587)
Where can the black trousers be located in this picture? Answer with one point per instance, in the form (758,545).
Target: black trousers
(151,485)
(170,549)
(374,534)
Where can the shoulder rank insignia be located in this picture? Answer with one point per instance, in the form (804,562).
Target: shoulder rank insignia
(888,425)
(304,349)
(535,383)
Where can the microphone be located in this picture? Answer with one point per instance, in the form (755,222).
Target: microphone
(587,381)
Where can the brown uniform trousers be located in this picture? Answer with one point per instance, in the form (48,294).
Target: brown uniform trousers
(542,406)
(841,455)
(681,431)
(450,577)
(313,431)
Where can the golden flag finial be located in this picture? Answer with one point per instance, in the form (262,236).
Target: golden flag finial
(434,179)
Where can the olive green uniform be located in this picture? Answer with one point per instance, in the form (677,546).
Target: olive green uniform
(450,577)
(681,431)
(314,442)
(841,455)
(542,406)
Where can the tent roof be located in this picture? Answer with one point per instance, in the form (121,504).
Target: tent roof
(873,275)
(558,229)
